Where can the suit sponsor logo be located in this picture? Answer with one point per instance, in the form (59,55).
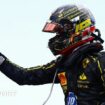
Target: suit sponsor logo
(82,77)
(62,78)
(85,62)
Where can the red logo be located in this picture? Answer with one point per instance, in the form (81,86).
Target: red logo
(62,78)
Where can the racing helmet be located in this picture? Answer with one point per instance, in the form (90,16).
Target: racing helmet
(73,25)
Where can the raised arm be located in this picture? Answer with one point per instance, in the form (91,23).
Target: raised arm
(29,76)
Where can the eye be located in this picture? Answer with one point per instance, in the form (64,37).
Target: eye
(68,26)
(65,21)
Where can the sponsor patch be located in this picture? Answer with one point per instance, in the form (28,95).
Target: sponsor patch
(63,79)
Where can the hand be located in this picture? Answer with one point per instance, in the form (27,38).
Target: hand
(2,58)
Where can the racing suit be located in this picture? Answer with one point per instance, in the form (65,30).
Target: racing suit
(81,72)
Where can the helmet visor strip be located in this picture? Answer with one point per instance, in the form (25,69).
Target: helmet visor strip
(51,27)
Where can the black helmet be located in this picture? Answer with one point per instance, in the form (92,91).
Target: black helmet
(73,25)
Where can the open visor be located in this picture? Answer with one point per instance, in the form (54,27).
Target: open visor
(51,27)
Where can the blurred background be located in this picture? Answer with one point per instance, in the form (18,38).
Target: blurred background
(24,43)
